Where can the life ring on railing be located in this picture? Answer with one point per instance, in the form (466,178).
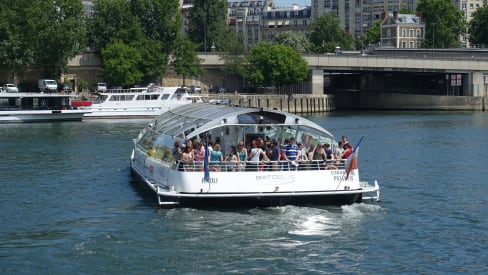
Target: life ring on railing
(213,168)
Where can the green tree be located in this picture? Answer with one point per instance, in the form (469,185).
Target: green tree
(325,35)
(295,40)
(186,61)
(61,35)
(235,58)
(160,23)
(18,29)
(478,31)
(40,34)
(120,64)
(372,36)
(151,26)
(208,25)
(444,23)
(113,21)
(275,65)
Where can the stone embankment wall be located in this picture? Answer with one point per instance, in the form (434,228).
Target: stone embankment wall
(297,104)
(392,101)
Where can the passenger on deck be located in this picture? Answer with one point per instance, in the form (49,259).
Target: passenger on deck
(339,150)
(242,156)
(216,157)
(231,160)
(199,152)
(187,158)
(254,156)
(302,153)
(347,151)
(344,142)
(274,155)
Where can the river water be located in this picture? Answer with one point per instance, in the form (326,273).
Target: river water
(70,206)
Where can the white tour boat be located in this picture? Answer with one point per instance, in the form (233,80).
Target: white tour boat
(37,107)
(154,160)
(136,102)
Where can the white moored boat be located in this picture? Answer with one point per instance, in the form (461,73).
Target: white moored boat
(232,183)
(137,102)
(37,107)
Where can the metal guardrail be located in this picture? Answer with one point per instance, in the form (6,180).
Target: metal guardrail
(238,166)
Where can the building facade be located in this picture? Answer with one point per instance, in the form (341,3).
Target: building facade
(277,20)
(405,31)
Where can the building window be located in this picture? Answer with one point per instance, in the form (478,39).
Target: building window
(410,32)
(404,44)
(404,32)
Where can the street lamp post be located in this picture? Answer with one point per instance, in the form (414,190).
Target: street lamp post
(433,38)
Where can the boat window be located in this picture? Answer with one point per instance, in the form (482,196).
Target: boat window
(165,96)
(121,98)
(100,99)
(261,118)
(148,97)
(308,136)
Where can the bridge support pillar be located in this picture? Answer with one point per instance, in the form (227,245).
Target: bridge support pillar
(317,82)
(476,84)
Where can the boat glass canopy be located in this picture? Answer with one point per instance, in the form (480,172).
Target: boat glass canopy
(229,125)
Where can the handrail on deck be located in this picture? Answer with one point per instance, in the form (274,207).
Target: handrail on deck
(239,166)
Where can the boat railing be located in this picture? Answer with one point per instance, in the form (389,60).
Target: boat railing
(248,166)
(125,91)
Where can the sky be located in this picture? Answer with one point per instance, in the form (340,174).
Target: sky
(288,3)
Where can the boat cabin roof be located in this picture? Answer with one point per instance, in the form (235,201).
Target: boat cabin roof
(193,119)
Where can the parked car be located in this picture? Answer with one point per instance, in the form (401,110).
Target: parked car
(10,88)
(217,90)
(47,86)
(64,88)
(101,87)
(196,89)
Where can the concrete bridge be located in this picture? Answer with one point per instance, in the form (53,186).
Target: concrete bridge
(465,73)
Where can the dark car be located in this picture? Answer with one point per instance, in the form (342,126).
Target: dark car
(217,90)
(64,88)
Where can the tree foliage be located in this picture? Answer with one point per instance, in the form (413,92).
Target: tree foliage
(371,36)
(325,35)
(235,58)
(295,40)
(208,25)
(40,34)
(120,63)
(275,65)
(186,61)
(444,23)
(478,30)
(151,26)
(113,21)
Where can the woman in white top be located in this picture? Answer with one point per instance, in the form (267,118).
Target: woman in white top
(254,156)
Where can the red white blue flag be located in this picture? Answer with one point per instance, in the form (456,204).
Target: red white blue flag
(352,160)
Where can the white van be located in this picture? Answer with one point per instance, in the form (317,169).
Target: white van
(101,87)
(47,86)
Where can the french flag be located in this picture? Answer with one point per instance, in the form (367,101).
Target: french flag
(352,160)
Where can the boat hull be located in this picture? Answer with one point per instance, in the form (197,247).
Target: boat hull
(168,196)
(262,200)
(41,116)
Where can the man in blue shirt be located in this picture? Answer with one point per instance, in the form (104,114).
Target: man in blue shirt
(291,150)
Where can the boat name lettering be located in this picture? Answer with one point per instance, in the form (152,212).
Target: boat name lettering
(342,178)
(275,177)
(338,172)
(211,180)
